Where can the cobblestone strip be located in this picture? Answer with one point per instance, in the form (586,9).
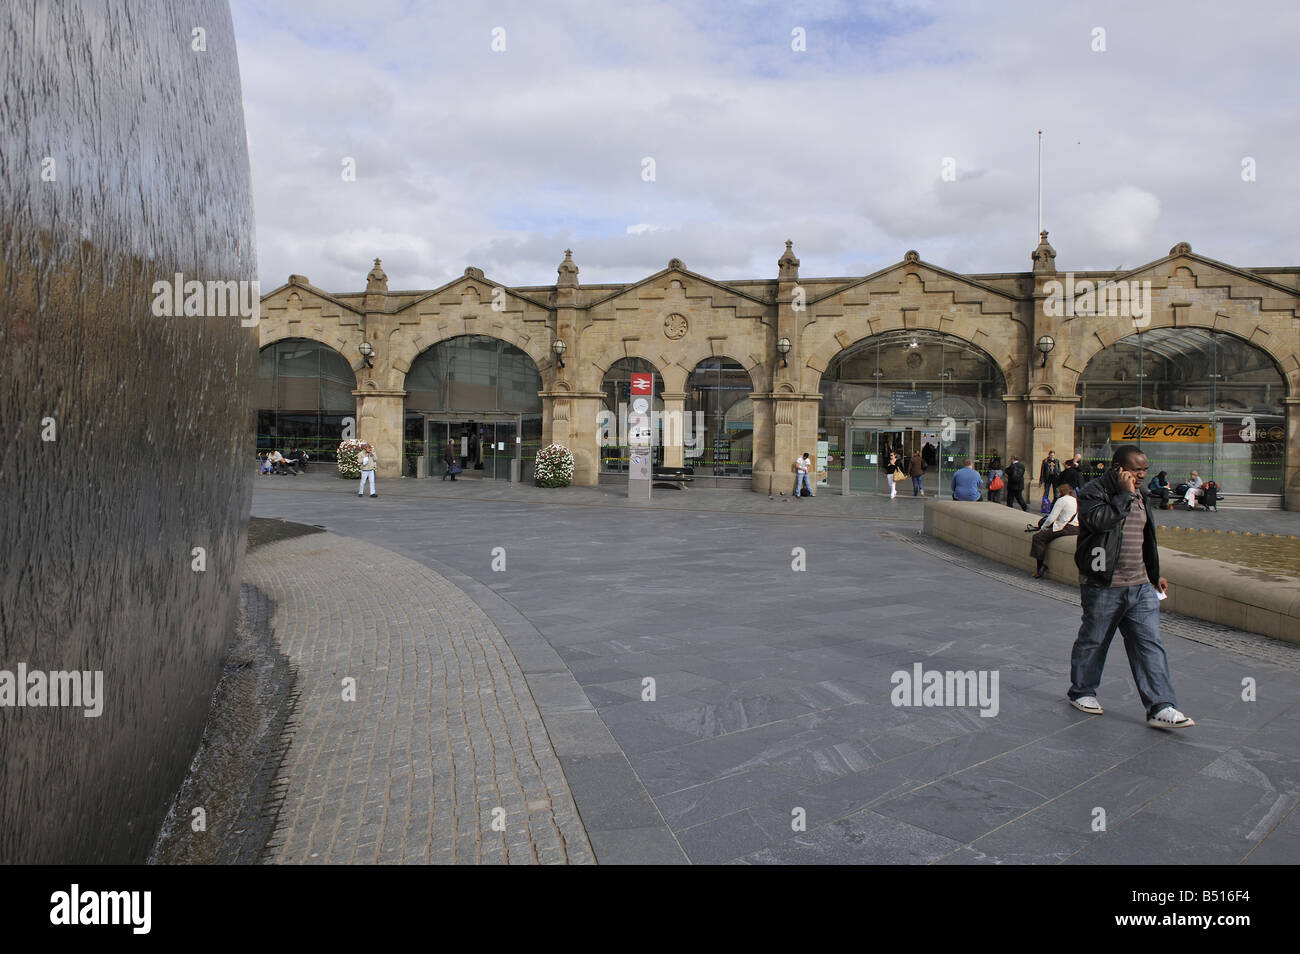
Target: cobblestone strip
(1264,648)
(443,745)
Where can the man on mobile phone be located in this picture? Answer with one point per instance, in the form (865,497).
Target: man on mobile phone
(1120,587)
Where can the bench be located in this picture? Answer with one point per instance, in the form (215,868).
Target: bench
(677,477)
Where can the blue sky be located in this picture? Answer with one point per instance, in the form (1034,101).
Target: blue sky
(502,159)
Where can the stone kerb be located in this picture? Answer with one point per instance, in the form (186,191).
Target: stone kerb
(1242,598)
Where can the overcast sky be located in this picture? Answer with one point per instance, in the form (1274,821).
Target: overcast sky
(502,159)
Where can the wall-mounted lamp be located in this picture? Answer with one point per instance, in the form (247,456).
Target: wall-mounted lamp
(1045,344)
(559,347)
(367,352)
(783,346)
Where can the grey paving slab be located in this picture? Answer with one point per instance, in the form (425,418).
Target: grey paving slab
(793,676)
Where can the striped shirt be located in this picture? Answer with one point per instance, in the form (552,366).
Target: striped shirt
(1131,570)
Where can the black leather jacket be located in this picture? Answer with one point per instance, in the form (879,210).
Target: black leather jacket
(1103,510)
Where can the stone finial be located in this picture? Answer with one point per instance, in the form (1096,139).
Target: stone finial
(911,257)
(299,280)
(1044,256)
(377,281)
(568,271)
(787,264)
(677,263)
(473,272)
(1182,248)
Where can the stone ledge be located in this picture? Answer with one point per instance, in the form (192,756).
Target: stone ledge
(1253,600)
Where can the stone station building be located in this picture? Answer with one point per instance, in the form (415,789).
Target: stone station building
(750,374)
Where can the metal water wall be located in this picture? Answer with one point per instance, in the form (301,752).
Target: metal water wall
(125,428)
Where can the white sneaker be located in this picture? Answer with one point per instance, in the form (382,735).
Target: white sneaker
(1169,718)
(1088,704)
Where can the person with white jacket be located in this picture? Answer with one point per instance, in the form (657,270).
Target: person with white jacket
(367,461)
(1062,521)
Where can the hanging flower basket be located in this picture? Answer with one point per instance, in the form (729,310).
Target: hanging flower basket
(554,466)
(349,453)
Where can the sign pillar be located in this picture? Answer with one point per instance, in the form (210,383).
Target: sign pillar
(640,438)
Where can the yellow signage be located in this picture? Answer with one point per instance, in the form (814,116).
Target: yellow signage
(1164,432)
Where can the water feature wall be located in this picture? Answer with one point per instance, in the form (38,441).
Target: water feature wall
(124,426)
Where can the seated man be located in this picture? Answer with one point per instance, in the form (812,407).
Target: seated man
(277,462)
(966,483)
(1193,490)
(298,460)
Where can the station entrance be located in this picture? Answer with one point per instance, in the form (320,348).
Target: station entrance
(869,444)
(486,444)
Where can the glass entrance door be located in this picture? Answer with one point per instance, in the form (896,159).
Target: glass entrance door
(483,446)
(868,456)
(500,449)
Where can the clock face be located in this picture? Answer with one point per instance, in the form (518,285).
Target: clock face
(640,405)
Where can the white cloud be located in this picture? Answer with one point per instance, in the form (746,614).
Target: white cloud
(502,160)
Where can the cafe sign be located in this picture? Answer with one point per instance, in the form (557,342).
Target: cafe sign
(1163,432)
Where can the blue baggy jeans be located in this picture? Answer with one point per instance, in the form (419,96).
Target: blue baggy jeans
(1135,612)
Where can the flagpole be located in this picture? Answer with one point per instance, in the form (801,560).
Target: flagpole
(1040,182)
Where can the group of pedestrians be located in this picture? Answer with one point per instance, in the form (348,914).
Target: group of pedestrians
(273,462)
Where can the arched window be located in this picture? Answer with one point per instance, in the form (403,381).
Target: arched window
(473,373)
(1194,399)
(718,432)
(304,397)
(486,390)
(910,390)
(612,425)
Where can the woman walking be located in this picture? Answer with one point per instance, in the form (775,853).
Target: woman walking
(892,468)
(1063,521)
(996,475)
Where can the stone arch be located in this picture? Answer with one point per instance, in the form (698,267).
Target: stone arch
(405,370)
(670,372)
(410,345)
(753,365)
(996,348)
(1287,363)
(821,359)
(333,340)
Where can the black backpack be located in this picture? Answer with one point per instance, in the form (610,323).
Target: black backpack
(1210,496)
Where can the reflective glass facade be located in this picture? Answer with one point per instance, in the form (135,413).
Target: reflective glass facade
(1195,400)
(612,426)
(304,396)
(905,391)
(718,426)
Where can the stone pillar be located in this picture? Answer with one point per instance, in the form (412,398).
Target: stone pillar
(379,408)
(1291,455)
(569,418)
(793,429)
(1017,431)
(380,424)
(674,427)
(1050,413)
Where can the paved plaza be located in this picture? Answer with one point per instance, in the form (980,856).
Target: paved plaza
(771,736)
